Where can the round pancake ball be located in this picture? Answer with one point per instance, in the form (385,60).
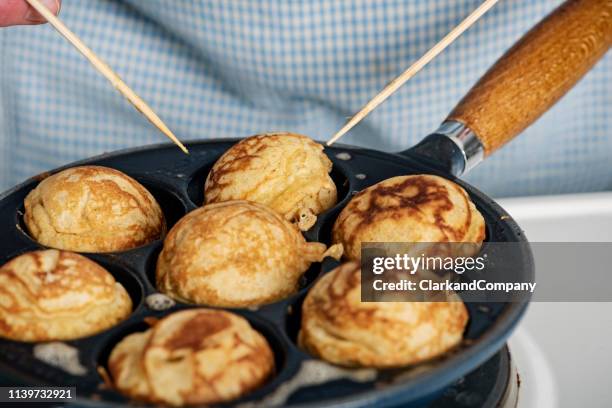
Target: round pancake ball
(197,356)
(58,295)
(234,254)
(92,209)
(417,208)
(339,328)
(284,171)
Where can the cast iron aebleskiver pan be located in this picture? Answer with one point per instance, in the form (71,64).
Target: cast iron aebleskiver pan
(176,180)
(520,87)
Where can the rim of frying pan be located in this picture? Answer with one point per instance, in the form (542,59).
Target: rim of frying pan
(423,384)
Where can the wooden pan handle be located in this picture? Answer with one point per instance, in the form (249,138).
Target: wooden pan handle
(536,72)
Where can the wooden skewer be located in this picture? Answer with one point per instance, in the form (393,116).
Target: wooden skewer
(105,70)
(414,68)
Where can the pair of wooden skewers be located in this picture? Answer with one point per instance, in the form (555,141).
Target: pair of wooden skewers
(141,106)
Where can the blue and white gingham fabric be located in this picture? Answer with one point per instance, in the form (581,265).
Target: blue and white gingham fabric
(219,68)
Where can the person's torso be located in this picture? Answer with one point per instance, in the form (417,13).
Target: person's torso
(220,68)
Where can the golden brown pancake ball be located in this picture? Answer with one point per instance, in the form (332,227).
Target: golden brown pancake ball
(339,328)
(197,356)
(417,208)
(58,295)
(92,209)
(285,171)
(235,254)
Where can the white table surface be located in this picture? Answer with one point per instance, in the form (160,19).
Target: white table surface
(575,339)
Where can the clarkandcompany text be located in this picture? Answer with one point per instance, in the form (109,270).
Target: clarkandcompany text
(447,285)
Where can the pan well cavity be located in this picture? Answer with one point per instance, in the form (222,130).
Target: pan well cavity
(125,277)
(195,188)
(171,205)
(159,299)
(278,347)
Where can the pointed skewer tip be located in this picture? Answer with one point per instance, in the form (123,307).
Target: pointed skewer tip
(183,148)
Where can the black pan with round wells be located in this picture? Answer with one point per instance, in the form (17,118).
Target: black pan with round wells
(177,182)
